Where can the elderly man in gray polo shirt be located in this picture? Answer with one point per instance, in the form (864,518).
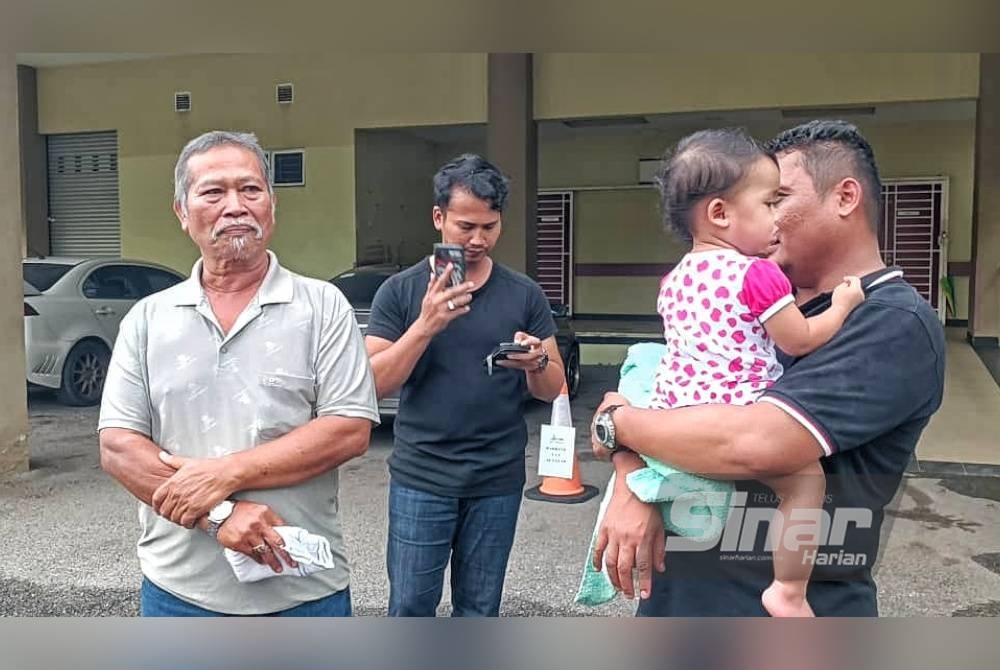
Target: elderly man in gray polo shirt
(231,400)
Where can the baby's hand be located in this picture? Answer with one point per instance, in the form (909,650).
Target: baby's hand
(849,294)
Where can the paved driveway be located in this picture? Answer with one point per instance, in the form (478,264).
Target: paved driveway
(69,532)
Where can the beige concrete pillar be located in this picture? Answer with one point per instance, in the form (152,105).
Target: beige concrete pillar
(984,286)
(13,398)
(512,144)
(34,167)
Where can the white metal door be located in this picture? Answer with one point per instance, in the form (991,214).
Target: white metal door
(914,233)
(83,194)
(554,248)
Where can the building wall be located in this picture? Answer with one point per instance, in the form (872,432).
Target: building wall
(394,193)
(321,225)
(34,171)
(619,227)
(334,95)
(622,225)
(446,151)
(586,85)
(945,148)
(985,286)
(13,404)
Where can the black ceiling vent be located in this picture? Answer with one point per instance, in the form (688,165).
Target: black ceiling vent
(182,101)
(284,93)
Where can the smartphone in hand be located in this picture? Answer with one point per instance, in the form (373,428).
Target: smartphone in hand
(502,352)
(450,253)
(505,349)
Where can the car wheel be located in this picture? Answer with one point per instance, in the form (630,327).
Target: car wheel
(573,371)
(83,374)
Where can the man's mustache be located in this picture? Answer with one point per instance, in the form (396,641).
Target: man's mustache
(258,232)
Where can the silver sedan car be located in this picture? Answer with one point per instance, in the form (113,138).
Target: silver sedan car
(72,310)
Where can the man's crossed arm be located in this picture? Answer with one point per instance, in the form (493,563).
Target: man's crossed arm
(719,441)
(183,490)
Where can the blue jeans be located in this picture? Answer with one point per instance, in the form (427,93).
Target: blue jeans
(427,530)
(156,602)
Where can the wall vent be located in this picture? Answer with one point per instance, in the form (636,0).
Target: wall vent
(182,101)
(284,93)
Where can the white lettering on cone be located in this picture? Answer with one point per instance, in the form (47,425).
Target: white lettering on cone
(557,442)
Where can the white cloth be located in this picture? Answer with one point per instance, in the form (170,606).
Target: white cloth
(311,552)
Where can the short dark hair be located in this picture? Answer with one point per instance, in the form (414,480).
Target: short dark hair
(474,175)
(704,164)
(831,151)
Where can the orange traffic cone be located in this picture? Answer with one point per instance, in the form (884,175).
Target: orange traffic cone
(560,489)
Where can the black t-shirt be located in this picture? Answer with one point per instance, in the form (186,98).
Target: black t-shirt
(866,396)
(460,432)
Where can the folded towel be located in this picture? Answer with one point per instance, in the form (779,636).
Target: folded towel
(311,552)
(637,377)
(595,587)
(692,506)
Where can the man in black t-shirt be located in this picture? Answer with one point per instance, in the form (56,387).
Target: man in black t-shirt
(858,404)
(457,467)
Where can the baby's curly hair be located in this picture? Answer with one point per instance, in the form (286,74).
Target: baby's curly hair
(704,164)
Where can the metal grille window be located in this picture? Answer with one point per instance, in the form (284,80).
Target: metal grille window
(914,232)
(288,168)
(554,227)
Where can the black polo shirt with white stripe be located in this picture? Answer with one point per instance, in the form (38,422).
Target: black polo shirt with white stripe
(865,397)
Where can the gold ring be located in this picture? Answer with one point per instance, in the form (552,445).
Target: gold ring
(260,548)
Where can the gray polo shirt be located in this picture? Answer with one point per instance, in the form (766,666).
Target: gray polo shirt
(295,353)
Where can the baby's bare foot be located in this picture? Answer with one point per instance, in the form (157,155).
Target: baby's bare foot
(786,599)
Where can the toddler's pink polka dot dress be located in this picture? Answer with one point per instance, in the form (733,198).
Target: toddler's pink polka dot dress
(714,305)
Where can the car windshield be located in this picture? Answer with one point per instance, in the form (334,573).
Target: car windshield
(359,287)
(44,275)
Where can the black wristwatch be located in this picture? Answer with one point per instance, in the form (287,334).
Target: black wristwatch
(543,362)
(604,429)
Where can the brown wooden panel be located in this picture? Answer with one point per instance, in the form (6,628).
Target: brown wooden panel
(960,268)
(622,269)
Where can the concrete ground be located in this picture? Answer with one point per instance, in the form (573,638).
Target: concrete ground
(69,532)
(970,411)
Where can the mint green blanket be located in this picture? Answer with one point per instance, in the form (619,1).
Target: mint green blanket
(692,506)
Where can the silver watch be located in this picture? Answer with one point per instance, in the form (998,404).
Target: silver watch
(604,428)
(543,362)
(218,515)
